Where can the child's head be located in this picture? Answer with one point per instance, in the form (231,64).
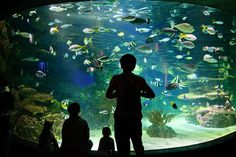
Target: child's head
(48,125)
(106,131)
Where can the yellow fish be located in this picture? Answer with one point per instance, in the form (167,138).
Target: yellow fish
(54,30)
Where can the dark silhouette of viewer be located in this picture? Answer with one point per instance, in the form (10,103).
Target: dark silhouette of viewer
(75,134)
(128,89)
(106,144)
(48,145)
(7,109)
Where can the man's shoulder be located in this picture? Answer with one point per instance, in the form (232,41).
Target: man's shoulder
(140,78)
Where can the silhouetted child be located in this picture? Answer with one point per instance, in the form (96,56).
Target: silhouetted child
(106,143)
(47,142)
(75,134)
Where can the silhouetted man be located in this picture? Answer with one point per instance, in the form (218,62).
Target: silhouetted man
(128,89)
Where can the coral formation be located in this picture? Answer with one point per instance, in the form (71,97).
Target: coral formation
(159,127)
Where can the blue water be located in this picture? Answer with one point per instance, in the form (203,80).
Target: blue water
(71,78)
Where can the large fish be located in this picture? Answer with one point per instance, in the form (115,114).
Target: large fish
(184,27)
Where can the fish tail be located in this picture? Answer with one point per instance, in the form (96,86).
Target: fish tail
(181,35)
(172,35)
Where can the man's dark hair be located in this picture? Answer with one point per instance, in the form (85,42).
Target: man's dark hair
(74,108)
(128,62)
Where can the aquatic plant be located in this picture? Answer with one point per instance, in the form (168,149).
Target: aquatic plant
(157,117)
(159,127)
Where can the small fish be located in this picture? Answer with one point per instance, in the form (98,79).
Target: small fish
(116,49)
(128,18)
(40,74)
(87,62)
(144,48)
(121,34)
(217,22)
(30,59)
(172,86)
(189,37)
(207,29)
(32,12)
(179,56)
(142,30)
(98,64)
(104,112)
(66,25)
(173,104)
(54,30)
(89,30)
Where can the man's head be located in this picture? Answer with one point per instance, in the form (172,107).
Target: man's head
(74,109)
(128,62)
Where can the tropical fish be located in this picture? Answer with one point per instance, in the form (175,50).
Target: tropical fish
(207,29)
(54,30)
(121,34)
(172,86)
(157,82)
(192,76)
(23,34)
(142,30)
(57,8)
(30,59)
(179,56)
(169,31)
(89,30)
(164,40)
(116,49)
(173,104)
(144,48)
(87,40)
(130,44)
(212,48)
(103,58)
(40,74)
(87,62)
(98,64)
(66,25)
(76,47)
(184,27)
(65,103)
(32,12)
(184,44)
(189,37)
(217,22)
(208,58)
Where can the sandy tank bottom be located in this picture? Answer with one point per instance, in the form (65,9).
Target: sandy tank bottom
(187,134)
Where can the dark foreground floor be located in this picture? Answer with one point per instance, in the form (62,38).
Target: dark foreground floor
(223,147)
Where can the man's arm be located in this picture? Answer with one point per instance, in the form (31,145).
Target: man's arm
(146,91)
(111,93)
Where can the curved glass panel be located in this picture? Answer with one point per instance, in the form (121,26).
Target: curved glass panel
(68,52)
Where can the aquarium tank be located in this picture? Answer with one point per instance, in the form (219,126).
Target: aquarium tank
(68,52)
